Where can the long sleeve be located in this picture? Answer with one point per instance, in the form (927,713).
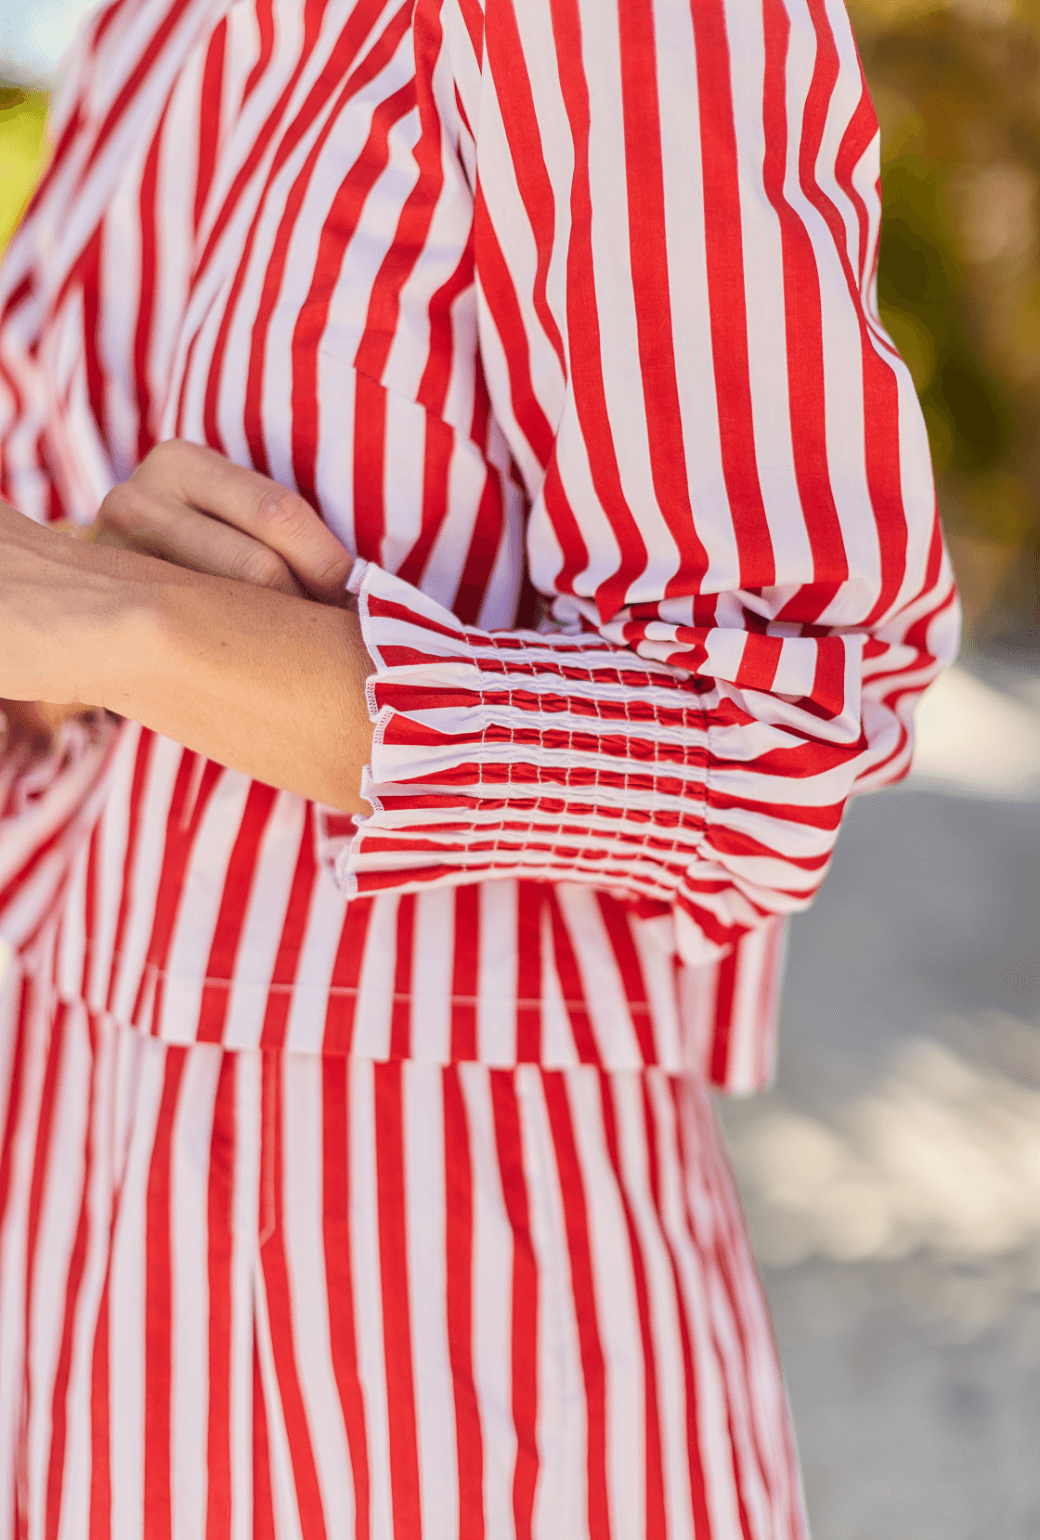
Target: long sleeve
(732,516)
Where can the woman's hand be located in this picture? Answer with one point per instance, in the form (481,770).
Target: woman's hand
(255,677)
(190,506)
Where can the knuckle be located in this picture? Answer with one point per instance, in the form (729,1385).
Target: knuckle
(155,468)
(160,454)
(262,568)
(333,572)
(157,458)
(282,514)
(120,509)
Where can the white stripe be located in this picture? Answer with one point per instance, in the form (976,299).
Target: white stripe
(304,1155)
(190,1299)
(425,1211)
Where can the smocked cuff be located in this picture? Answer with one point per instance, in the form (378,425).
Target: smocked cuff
(515,753)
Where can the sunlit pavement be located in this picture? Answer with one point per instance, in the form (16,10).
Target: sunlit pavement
(892,1178)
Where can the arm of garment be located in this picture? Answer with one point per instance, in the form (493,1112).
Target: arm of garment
(673,216)
(676,214)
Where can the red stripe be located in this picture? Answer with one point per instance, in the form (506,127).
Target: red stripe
(394,1286)
(473,16)
(346,973)
(583,325)
(146,204)
(619,932)
(87,274)
(571,983)
(369,467)
(529,899)
(90,911)
(484,542)
(42,1150)
(735,1258)
(103,21)
(499,290)
(695,1465)
(231,916)
(856,140)
(223,1148)
(656,1510)
(724,252)
(693,1160)
(280,1309)
(158,1311)
(336,1233)
(737,1272)
(382,323)
(100,1414)
(505,58)
(436,377)
(263,1497)
(142,764)
(264,13)
(803,318)
(404,950)
(294,932)
(458,1201)
(210,109)
(182,826)
(15,1094)
(723,1018)
(881,396)
(524,1345)
(651,293)
(73,1285)
(464,979)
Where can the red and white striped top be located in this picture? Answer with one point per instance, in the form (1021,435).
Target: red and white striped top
(562,313)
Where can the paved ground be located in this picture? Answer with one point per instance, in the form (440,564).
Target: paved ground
(892,1178)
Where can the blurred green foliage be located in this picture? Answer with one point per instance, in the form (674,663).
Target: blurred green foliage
(23,117)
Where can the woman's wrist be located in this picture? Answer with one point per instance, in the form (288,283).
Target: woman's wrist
(101,638)
(263,682)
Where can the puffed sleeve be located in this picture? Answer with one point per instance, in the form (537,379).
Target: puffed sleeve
(733,520)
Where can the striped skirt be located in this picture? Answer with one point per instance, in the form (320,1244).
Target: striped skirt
(277,1295)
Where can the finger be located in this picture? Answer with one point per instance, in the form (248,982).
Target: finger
(256,506)
(132,520)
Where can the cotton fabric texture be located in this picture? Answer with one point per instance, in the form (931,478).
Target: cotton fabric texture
(562,314)
(280,1294)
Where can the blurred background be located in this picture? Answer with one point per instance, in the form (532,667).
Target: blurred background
(892,1176)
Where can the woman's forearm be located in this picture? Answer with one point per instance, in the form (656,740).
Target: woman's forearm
(259,681)
(262,681)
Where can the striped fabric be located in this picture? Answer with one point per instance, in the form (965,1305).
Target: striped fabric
(132,848)
(284,1296)
(562,314)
